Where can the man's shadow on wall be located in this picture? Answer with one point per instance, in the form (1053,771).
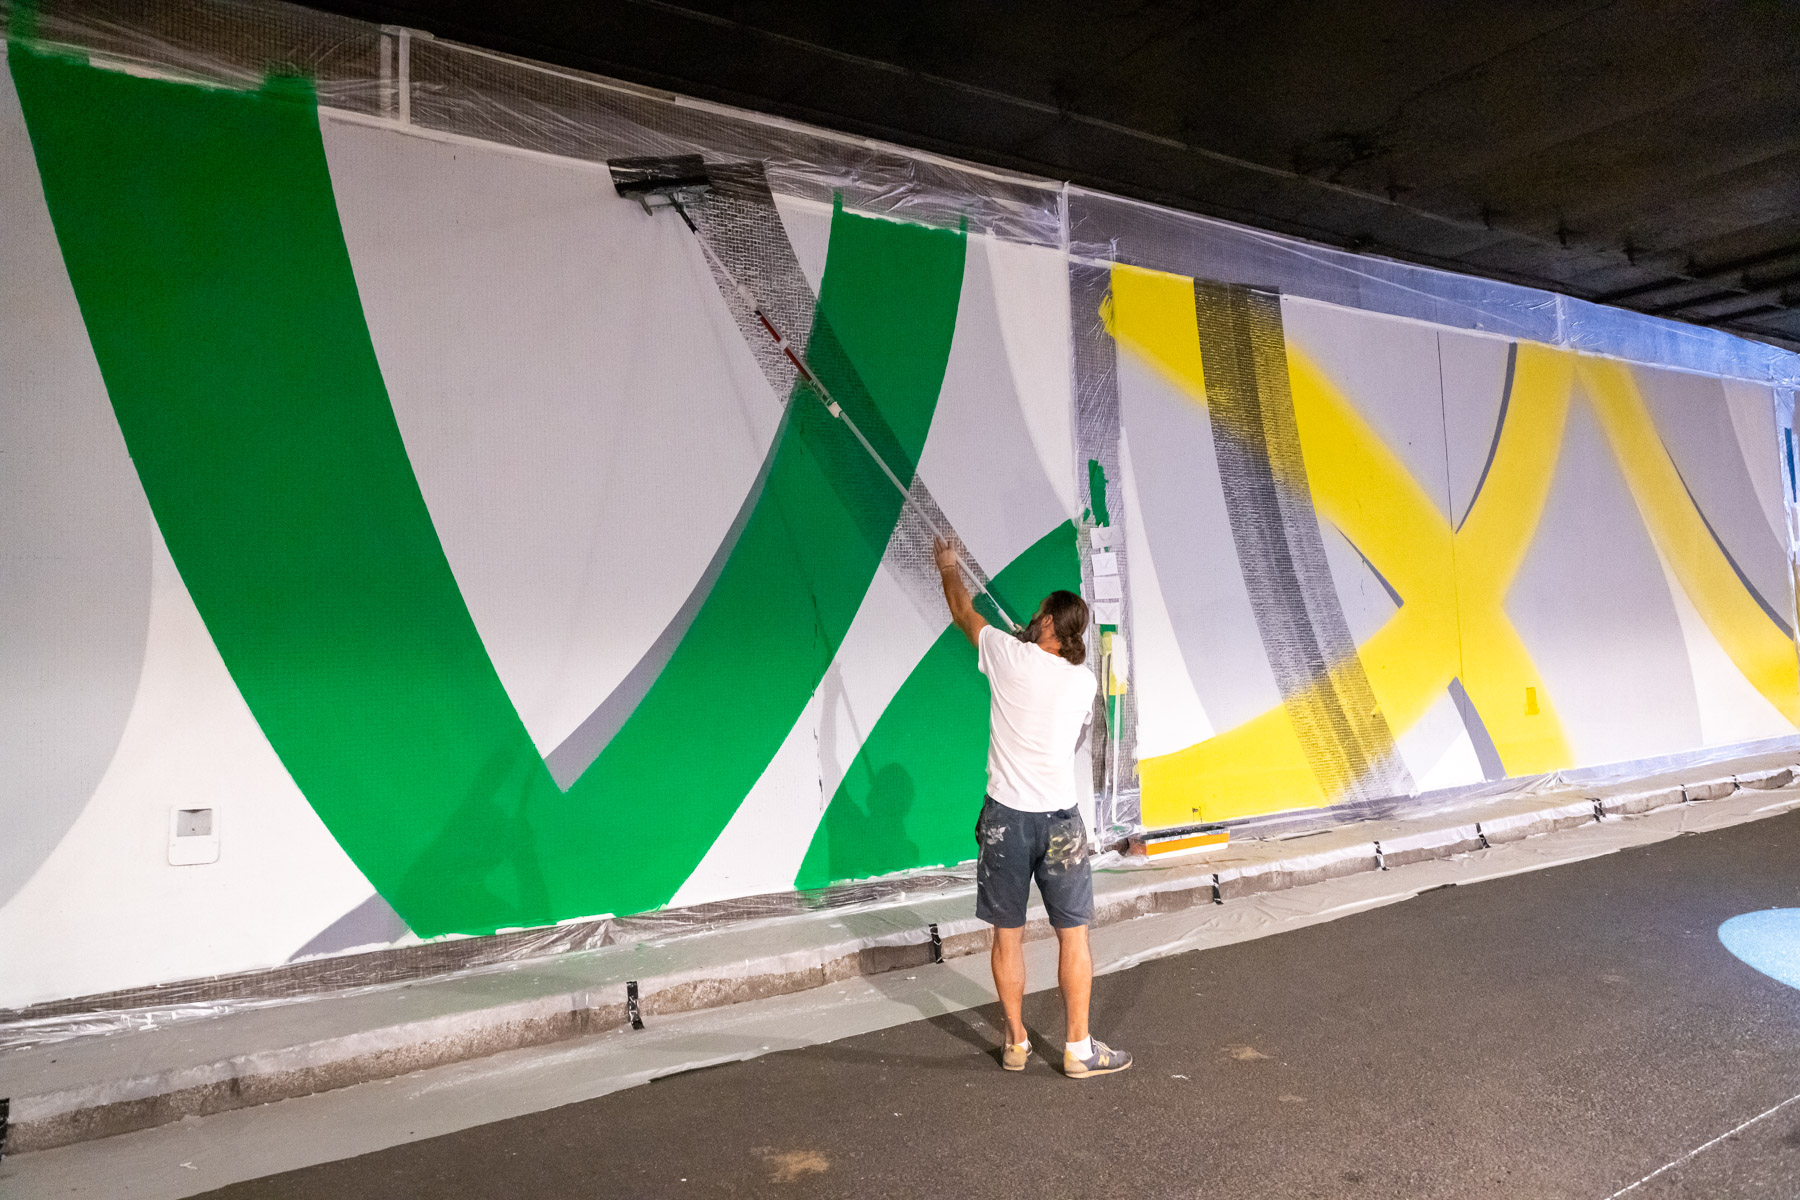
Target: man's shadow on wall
(870,838)
(491,828)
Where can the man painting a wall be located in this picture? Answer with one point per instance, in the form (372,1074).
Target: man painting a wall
(1031,826)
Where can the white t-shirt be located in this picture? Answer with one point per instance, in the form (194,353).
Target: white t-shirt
(1040,703)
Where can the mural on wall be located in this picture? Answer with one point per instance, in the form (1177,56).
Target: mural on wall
(1373,557)
(444,524)
(523,577)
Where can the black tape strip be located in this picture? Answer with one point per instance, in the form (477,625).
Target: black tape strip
(5,1122)
(937,945)
(641,176)
(1599,810)
(1481,837)
(1218,896)
(1380,858)
(631,1005)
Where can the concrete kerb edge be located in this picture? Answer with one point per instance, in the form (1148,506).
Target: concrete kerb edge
(63,1117)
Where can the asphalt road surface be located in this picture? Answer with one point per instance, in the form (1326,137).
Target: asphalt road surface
(1562,1033)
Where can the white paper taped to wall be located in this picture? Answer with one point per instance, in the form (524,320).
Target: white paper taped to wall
(1106,587)
(1106,563)
(1106,612)
(1101,536)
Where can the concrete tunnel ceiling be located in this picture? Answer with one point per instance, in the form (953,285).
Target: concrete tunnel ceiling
(1639,153)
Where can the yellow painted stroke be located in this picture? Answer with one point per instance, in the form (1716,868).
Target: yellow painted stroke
(1453,583)
(1756,645)
(1490,547)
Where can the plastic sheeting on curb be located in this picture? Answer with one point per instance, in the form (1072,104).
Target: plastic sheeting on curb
(345,975)
(677,950)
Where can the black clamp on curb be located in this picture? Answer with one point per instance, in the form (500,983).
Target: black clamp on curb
(631,1005)
(1481,837)
(5,1115)
(1218,896)
(1380,858)
(937,944)
(1599,810)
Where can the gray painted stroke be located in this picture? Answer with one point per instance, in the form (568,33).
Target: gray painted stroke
(1476,376)
(371,923)
(1486,753)
(1694,423)
(739,221)
(577,752)
(75,536)
(1305,633)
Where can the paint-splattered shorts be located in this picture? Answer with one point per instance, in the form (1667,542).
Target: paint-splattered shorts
(1019,846)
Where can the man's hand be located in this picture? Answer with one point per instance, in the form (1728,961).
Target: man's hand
(956,593)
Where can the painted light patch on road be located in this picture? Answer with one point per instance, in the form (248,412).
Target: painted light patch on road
(1767,940)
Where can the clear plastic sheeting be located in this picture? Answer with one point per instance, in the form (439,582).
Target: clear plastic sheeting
(887,908)
(410,79)
(1751,760)
(863,896)
(459,957)
(1107,229)
(328,975)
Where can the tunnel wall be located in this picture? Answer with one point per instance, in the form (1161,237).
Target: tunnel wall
(407,536)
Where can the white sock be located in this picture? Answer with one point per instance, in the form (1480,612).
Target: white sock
(1082,1049)
(1012,1045)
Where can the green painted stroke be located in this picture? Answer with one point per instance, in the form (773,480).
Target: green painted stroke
(201,234)
(911,796)
(1097,493)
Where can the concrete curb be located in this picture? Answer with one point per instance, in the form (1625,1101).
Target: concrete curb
(44,1114)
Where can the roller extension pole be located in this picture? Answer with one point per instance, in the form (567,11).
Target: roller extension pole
(831,404)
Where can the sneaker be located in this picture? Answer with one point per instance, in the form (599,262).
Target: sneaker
(1013,1057)
(1103,1061)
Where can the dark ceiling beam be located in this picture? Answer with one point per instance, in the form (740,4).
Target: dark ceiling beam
(1742,268)
(1731,306)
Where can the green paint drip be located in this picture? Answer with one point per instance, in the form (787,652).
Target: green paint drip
(912,793)
(201,234)
(1097,492)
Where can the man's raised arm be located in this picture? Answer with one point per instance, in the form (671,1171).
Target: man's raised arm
(956,594)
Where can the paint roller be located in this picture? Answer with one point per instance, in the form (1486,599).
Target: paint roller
(681,181)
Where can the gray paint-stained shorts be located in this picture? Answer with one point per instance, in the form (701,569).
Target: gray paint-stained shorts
(1017,847)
